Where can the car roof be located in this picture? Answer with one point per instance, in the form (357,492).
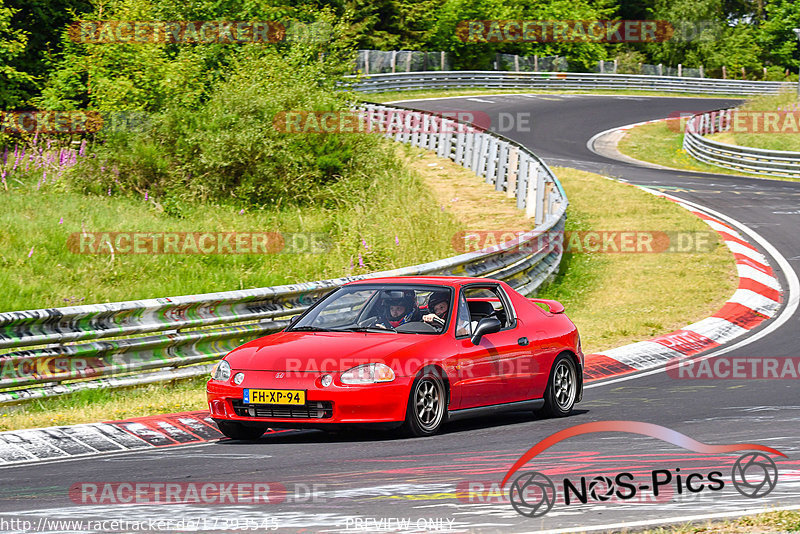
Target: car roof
(452,281)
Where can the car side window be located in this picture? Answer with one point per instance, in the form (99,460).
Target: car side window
(485,301)
(463,326)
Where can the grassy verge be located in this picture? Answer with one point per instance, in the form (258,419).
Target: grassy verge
(368,233)
(446,93)
(783,521)
(661,292)
(662,144)
(790,141)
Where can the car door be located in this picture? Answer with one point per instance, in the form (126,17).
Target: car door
(497,370)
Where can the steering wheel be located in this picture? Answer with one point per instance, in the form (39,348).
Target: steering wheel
(368,322)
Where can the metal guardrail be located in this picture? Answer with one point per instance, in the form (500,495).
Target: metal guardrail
(739,158)
(381,83)
(56,351)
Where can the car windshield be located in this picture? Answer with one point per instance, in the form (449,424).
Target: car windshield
(387,308)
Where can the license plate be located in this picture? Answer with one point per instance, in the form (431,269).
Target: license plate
(274,396)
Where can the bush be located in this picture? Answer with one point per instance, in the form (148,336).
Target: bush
(228,149)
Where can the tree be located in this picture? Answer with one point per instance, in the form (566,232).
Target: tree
(12,45)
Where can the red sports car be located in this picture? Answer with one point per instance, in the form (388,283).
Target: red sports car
(410,352)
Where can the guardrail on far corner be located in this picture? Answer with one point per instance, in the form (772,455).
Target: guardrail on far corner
(739,158)
(55,351)
(577,81)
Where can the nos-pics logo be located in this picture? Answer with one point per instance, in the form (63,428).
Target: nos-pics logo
(533,494)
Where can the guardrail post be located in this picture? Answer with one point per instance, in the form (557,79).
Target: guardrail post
(426,128)
(502,167)
(511,176)
(491,161)
(478,146)
(461,144)
(446,139)
(522,182)
(543,193)
(394,60)
(533,198)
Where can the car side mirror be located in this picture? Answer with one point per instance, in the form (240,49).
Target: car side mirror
(487,325)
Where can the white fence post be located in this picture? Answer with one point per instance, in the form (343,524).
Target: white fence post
(532,183)
(511,177)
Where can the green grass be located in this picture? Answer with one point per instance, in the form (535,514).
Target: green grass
(662,144)
(781,521)
(37,269)
(786,101)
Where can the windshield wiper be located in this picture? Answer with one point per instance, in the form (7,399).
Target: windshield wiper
(371,329)
(314,329)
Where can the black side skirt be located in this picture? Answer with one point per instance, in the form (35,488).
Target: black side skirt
(455,415)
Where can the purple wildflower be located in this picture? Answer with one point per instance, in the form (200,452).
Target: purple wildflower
(360,260)
(364,242)
(30,253)
(61,220)
(35,138)
(109,191)
(241,212)
(5,156)
(146,195)
(82,150)
(396,240)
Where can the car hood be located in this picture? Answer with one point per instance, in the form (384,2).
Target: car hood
(324,351)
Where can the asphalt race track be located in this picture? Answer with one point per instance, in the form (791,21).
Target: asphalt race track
(362,482)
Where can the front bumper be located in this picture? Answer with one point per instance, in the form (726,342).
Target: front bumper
(336,404)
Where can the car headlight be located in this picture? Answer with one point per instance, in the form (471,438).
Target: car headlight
(222,371)
(369,373)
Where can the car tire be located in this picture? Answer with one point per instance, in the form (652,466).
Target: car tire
(239,431)
(427,406)
(562,388)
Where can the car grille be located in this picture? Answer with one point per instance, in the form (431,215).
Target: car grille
(309,410)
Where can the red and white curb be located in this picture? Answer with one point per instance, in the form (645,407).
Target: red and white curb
(57,443)
(757,299)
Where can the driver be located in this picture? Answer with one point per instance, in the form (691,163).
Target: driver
(401,310)
(439,304)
